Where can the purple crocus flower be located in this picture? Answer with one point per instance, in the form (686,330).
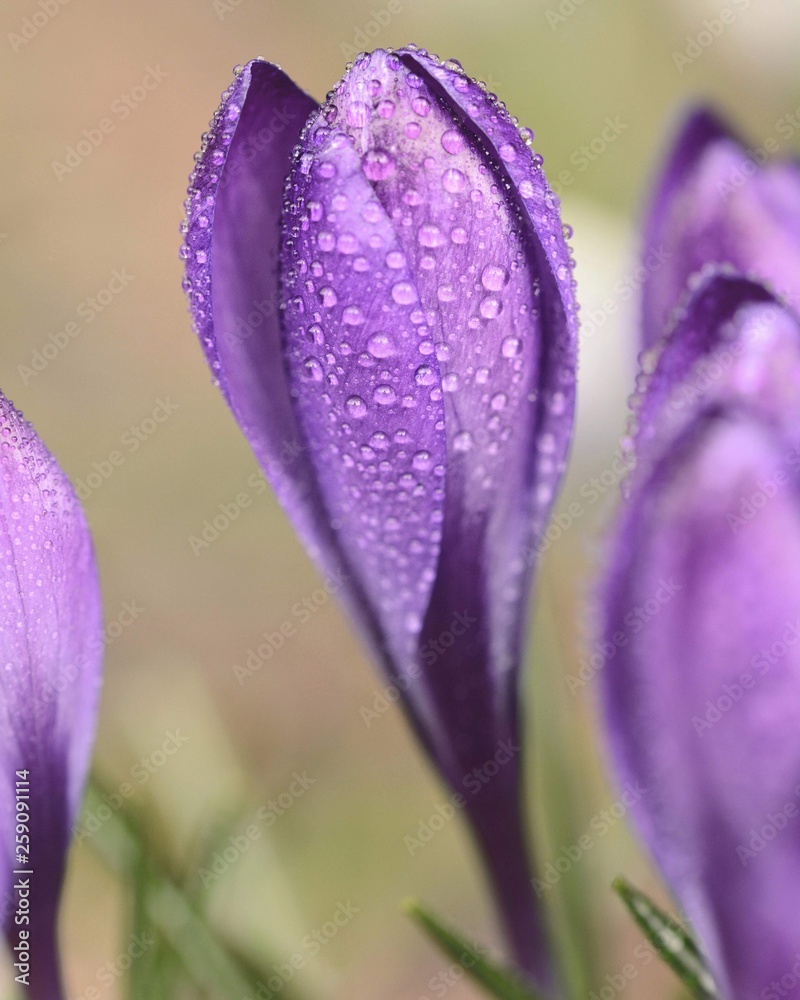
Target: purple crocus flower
(384,293)
(718,202)
(51,651)
(702,607)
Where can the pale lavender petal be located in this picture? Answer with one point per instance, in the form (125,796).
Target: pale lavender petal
(716,204)
(51,643)
(703,611)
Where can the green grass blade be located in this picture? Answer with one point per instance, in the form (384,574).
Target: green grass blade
(496,980)
(671,940)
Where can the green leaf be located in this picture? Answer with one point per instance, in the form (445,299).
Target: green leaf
(498,981)
(671,940)
(187,942)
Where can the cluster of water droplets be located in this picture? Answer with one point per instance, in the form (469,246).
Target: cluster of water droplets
(42,533)
(195,249)
(413,308)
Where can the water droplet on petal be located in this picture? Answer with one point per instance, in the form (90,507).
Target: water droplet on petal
(462,441)
(355,407)
(494,277)
(453,141)
(421,106)
(453,180)
(352,316)
(381,345)
(429,235)
(347,243)
(491,307)
(378,164)
(511,347)
(450,382)
(422,460)
(498,401)
(384,395)
(312,370)
(424,375)
(404,293)
(395,259)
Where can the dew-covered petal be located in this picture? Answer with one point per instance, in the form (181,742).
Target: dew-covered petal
(426,271)
(480,232)
(732,340)
(701,696)
(232,252)
(50,660)
(716,203)
(511,336)
(369,402)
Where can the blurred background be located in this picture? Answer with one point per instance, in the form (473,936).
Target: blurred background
(92,240)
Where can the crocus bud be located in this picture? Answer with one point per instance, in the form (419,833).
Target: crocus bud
(384,292)
(50,651)
(718,202)
(702,699)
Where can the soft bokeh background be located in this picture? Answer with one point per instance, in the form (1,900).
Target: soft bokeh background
(564,67)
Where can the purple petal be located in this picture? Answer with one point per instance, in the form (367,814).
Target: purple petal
(731,340)
(51,651)
(715,204)
(701,694)
(431,336)
(231,251)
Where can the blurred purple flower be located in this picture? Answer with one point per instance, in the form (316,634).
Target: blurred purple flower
(718,202)
(702,608)
(51,651)
(385,295)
